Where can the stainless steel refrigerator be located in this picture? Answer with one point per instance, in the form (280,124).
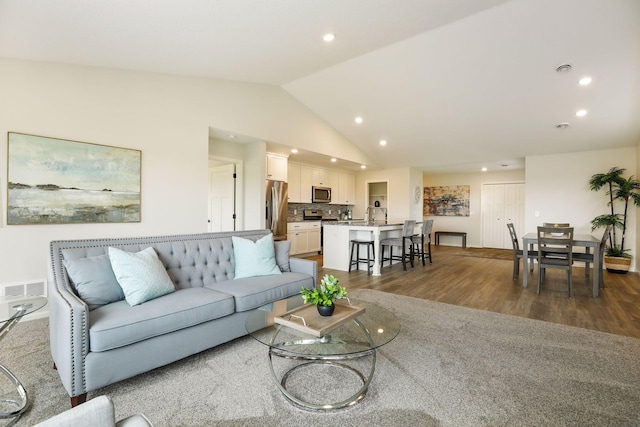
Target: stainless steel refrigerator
(276,210)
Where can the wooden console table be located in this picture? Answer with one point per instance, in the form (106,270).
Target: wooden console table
(452,233)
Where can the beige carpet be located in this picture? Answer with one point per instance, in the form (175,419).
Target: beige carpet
(449,366)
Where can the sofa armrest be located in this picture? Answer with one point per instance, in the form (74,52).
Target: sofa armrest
(307,266)
(96,412)
(68,330)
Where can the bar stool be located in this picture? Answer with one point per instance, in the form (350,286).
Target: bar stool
(422,238)
(405,242)
(371,254)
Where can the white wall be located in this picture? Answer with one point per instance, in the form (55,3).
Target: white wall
(472,224)
(168,118)
(400,182)
(557,187)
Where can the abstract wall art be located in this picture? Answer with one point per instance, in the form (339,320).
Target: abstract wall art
(57,181)
(446,200)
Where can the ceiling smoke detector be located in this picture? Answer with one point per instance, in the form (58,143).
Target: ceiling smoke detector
(563,68)
(562,125)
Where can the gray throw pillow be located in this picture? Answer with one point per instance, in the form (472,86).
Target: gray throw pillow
(282,249)
(94,281)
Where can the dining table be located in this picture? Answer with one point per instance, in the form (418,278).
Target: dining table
(587,241)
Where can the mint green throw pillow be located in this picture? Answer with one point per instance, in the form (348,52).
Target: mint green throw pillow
(254,258)
(141,275)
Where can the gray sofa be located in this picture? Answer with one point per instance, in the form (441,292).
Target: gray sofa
(103,344)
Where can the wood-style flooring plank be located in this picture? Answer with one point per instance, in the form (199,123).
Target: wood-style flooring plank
(482,279)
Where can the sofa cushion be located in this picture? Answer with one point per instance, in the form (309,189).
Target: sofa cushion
(282,249)
(141,275)
(93,280)
(254,258)
(254,292)
(118,324)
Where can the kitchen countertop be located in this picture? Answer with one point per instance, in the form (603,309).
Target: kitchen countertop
(338,235)
(363,223)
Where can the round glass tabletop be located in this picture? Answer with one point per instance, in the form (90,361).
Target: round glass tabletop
(18,306)
(374,327)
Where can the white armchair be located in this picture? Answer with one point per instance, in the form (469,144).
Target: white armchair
(97,412)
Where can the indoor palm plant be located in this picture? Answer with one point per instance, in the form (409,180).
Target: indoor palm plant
(324,295)
(623,190)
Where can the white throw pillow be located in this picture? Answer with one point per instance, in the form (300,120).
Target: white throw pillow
(141,275)
(254,258)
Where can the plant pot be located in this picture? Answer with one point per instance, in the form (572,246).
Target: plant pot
(616,264)
(326,310)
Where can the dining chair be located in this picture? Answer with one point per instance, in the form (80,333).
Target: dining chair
(555,246)
(590,258)
(419,240)
(518,253)
(556,224)
(405,242)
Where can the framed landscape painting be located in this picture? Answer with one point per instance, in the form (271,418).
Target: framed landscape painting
(450,200)
(56,181)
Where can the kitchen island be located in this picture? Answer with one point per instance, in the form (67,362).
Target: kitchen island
(337,238)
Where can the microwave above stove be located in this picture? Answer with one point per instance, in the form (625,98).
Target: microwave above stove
(321,194)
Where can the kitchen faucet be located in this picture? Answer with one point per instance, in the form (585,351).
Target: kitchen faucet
(371,213)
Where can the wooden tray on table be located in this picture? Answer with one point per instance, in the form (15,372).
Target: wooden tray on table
(313,323)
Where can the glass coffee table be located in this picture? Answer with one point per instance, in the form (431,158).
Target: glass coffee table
(326,372)
(12,309)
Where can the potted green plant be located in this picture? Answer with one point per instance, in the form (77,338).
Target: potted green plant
(324,295)
(623,190)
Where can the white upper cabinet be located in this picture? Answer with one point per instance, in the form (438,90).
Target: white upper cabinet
(299,179)
(346,189)
(321,177)
(293,178)
(306,177)
(303,177)
(276,167)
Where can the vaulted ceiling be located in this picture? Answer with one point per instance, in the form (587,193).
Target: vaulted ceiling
(450,85)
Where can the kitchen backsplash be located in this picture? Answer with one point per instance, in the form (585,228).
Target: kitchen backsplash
(295,210)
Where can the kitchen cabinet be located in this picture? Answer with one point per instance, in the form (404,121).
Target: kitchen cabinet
(276,167)
(321,177)
(306,173)
(299,179)
(293,178)
(346,189)
(302,177)
(304,237)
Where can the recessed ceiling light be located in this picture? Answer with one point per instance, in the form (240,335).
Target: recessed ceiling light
(581,113)
(294,150)
(585,81)
(383,142)
(562,125)
(363,167)
(358,119)
(484,169)
(334,160)
(563,68)
(329,37)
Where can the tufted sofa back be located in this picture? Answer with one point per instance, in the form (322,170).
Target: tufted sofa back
(192,260)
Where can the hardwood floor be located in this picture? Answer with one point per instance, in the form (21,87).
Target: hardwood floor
(482,279)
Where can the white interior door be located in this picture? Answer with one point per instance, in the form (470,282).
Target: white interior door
(222,198)
(501,204)
(493,215)
(513,211)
